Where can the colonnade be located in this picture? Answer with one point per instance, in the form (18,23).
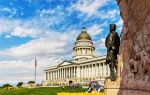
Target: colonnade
(78,51)
(82,71)
(61,73)
(94,70)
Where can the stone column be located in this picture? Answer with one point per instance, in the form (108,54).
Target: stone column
(67,72)
(49,75)
(45,76)
(97,70)
(92,71)
(73,72)
(101,70)
(78,72)
(70,72)
(87,67)
(61,73)
(83,72)
(54,75)
(86,72)
(58,73)
(64,73)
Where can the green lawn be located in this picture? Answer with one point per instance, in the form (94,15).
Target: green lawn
(39,91)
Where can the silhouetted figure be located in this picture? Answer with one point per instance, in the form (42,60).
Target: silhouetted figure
(112,43)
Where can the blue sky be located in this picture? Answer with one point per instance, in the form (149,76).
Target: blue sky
(45,28)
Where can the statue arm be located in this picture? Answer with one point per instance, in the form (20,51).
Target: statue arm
(118,39)
(106,41)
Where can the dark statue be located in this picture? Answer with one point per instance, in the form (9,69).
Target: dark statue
(112,43)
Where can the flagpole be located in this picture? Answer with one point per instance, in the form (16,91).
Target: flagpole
(35,71)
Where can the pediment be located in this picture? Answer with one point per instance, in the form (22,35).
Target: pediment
(65,63)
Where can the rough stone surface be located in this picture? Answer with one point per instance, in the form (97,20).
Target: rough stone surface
(135,47)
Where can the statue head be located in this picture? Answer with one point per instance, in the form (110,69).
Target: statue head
(112,27)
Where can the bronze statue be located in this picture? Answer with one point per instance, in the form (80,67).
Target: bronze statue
(112,43)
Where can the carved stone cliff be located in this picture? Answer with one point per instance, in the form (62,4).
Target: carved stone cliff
(135,46)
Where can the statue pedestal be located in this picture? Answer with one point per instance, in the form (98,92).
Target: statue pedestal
(111,87)
(116,88)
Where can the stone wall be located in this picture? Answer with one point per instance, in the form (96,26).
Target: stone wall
(135,46)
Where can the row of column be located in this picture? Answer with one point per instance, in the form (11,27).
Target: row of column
(85,71)
(94,70)
(83,51)
(62,73)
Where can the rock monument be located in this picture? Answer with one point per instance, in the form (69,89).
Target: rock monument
(134,52)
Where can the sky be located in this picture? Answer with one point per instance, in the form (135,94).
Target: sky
(47,30)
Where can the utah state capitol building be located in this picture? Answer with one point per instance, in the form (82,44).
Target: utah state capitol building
(83,67)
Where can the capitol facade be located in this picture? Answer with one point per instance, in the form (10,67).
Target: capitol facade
(83,67)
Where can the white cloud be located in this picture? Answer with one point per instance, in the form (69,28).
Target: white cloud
(23,70)
(108,14)
(38,47)
(19,31)
(119,24)
(90,7)
(94,30)
(100,47)
(33,27)
(19,63)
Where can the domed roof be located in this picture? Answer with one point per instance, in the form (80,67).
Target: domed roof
(84,35)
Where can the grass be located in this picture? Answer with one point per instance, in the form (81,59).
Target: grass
(41,91)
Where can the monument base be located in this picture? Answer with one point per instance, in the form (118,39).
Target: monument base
(116,88)
(111,87)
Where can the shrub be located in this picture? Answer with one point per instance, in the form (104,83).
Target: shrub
(6,85)
(31,82)
(19,84)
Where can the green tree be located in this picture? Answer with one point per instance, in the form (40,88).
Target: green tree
(31,82)
(6,85)
(19,84)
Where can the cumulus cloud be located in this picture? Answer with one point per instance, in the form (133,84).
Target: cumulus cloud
(90,7)
(22,32)
(10,11)
(95,30)
(111,14)
(119,24)
(13,71)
